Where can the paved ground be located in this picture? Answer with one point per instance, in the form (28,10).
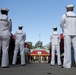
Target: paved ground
(37,69)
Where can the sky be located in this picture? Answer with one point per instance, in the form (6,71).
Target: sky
(37,17)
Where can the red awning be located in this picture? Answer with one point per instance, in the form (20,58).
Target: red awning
(40,52)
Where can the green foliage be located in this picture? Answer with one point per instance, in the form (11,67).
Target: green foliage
(38,44)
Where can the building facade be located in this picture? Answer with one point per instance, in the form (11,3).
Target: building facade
(39,55)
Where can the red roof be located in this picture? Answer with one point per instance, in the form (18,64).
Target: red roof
(36,52)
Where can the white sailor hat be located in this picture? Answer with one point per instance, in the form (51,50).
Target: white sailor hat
(5,9)
(70,5)
(54,27)
(20,26)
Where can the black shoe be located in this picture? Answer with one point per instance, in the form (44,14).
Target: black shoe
(5,67)
(51,65)
(23,65)
(13,64)
(62,67)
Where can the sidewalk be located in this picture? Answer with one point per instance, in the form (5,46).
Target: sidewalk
(37,69)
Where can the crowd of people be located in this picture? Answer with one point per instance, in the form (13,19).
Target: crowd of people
(68,25)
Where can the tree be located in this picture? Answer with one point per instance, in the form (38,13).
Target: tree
(38,44)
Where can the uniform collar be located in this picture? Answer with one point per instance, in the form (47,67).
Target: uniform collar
(19,31)
(55,32)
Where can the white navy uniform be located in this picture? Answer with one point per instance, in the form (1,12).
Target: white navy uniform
(5,29)
(68,25)
(20,38)
(55,40)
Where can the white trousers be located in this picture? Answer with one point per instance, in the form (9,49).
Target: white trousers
(68,40)
(57,48)
(22,53)
(4,42)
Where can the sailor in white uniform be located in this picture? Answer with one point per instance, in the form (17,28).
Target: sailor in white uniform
(55,40)
(5,29)
(20,38)
(68,25)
